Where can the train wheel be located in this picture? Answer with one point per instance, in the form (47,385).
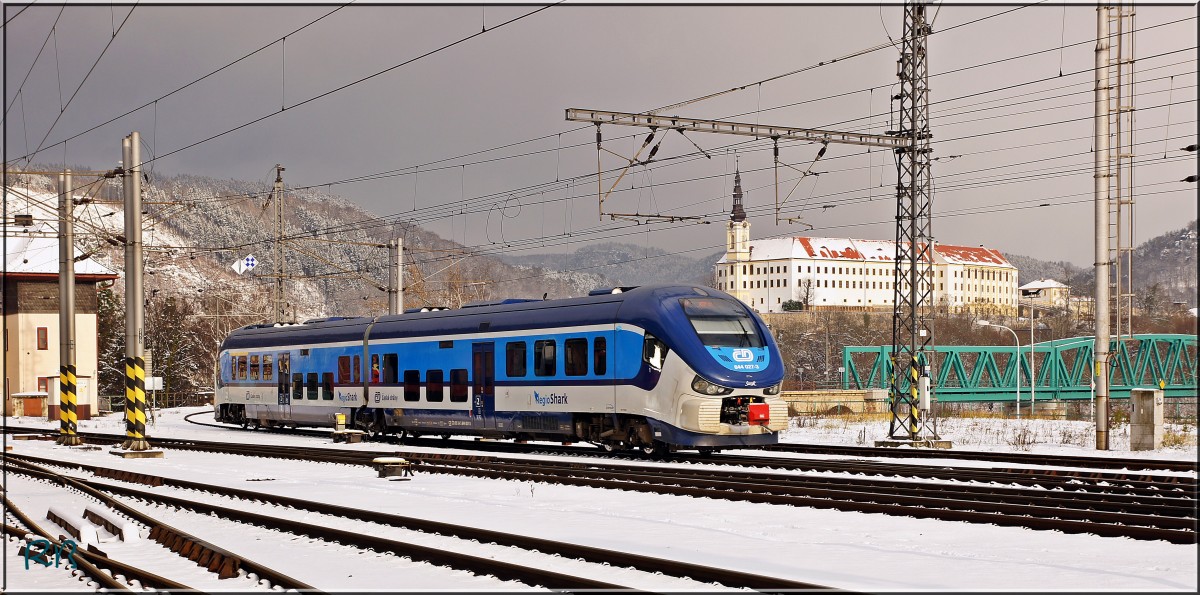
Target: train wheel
(445,436)
(656,450)
(609,446)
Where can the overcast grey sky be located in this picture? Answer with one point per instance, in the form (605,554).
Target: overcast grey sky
(1021,133)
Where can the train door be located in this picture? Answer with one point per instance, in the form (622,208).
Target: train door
(483,384)
(284,375)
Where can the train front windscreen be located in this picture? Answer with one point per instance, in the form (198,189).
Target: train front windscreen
(722,324)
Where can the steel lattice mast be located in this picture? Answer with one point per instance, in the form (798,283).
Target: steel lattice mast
(912,338)
(913,278)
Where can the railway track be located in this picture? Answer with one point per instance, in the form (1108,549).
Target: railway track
(1060,461)
(997,457)
(1140,506)
(94,559)
(365,539)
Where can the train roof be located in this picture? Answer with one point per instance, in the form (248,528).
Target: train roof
(634,305)
(629,304)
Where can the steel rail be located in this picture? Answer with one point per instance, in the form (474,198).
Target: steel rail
(89,561)
(915,506)
(1165,505)
(202,552)
(837,450)
(1020,458)
(566,550)
(1154,484)
(1031,503)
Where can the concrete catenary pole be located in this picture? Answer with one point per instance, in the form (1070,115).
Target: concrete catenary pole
(135,320)
(1100,349)
(69,419)
(396,276)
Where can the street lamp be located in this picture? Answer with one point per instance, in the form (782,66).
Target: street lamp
(1016,358)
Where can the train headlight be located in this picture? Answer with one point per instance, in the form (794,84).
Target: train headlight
(772,390)
(705,387)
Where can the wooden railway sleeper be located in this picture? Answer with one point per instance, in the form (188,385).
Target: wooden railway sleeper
(221,563)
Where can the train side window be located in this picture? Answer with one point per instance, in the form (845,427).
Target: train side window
(357,369)
(412,385)
(544,363)
(327,386)
(254,367)
(268,367)
(599,356)
(654,351)
(458,385)
(391,372)
(343,373)
(433,386)
(312,385)
(297,386)
(514,360)
(575,357)
(241,367)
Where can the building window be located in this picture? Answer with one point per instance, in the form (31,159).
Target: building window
(43,341)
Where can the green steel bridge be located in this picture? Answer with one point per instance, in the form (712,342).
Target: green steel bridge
(1062,369)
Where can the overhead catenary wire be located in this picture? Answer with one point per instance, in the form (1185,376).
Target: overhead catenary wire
(81,83)
(337,89)
(21,87)
(573,178)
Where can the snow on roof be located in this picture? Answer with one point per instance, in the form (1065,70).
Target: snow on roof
(39,254)
(1042,284)
(971,255)
(819,248)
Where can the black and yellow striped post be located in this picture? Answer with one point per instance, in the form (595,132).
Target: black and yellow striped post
(135,405)
(69,426)
(66,313)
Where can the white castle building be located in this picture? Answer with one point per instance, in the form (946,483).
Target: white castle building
(849,274)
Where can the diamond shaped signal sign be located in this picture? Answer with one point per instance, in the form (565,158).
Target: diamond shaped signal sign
(245,264)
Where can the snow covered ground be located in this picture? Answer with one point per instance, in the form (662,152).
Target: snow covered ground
(863,552)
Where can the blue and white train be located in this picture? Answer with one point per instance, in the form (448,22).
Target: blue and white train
(654,368)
